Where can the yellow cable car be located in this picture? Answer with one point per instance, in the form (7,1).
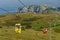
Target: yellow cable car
(18,28)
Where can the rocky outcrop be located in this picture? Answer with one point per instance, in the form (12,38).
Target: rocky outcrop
(35,8)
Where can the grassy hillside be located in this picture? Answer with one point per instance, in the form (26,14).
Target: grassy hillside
(35,23)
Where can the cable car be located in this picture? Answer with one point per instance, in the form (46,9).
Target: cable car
(18,28)
(45,30)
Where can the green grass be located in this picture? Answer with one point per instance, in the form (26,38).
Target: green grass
(8,21)
(28,34)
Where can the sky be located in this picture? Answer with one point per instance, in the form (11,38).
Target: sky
(29,2)
(12,5)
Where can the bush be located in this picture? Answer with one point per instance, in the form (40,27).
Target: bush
(38,27)
(10,23)
(57,29)
(23,27)
(28,26)
(53,25)
(57,24)
(0,26)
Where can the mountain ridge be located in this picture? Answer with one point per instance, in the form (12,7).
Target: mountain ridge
(38,8)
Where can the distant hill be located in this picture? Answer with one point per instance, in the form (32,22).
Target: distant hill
(37,8)
(58,8)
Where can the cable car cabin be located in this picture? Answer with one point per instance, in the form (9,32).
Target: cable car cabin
(17,25)
(18,28)
(45,30)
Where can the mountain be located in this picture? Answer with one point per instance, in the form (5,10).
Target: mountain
(58,8)
(37,8)
(50,9)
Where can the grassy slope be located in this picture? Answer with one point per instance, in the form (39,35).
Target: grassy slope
(28,34)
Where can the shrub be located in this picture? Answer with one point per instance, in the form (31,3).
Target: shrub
(57,29)
(23,27)
(38,27)
(26,25)
(0,26)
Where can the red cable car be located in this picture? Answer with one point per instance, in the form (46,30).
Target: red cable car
(45,30)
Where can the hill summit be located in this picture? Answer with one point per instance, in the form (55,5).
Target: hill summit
(38,8)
